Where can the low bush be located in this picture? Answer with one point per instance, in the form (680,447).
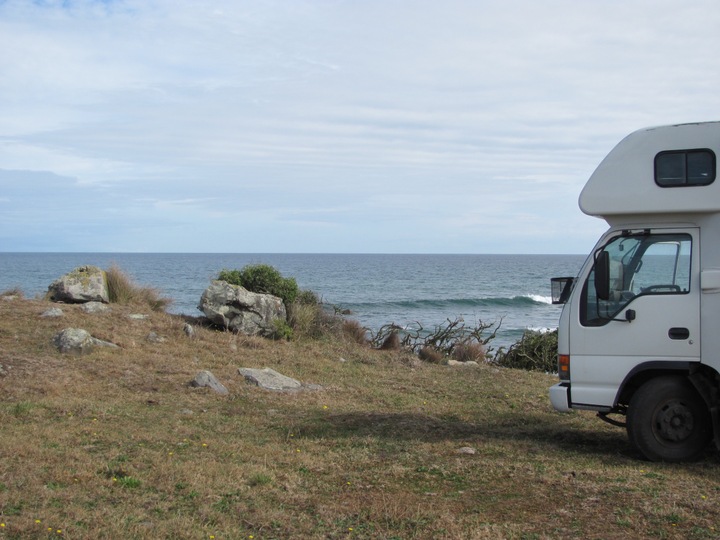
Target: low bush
(312,320)
(432,355)
(468,351)
(283,331)
(535,351)
(263,278)
(122,290)
(356,332)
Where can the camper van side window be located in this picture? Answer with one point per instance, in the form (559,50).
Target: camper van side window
(685,168)
(638,266)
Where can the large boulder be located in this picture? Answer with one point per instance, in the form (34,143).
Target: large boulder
(240,310)
(84,284)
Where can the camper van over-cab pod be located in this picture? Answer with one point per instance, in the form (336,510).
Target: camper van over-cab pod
(638,334)
(638,176)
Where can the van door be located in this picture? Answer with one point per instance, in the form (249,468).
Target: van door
(649,313)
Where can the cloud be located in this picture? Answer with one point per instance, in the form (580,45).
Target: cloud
(362,126)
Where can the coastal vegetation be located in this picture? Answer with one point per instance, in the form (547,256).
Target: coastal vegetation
(262,278)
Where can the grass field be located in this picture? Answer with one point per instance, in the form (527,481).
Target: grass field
(115,444)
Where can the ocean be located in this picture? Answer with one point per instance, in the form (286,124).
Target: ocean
(377,289)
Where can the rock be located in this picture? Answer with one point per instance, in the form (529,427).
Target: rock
(238,309)
(189,330)
(78,341)
(205,379)
(468,450)
(53,312)
(154,337)
(269,379)
(84,284)
(138,316)
(469,363)
(96,307)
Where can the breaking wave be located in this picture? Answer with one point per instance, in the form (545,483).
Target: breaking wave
(457,303)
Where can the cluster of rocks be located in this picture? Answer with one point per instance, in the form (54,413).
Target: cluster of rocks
(229,306)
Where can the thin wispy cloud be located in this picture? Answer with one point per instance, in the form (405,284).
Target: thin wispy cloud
(321,126)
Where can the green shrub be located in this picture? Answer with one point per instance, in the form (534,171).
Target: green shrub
(535,351)
(307,298)
(262,278)
(283,331)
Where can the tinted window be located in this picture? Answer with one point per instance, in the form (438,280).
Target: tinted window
(685,168)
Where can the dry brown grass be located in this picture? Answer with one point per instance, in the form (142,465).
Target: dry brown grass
(122,290)
(116,445)
(471,351)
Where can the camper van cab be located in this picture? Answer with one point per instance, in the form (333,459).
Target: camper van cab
(639,333)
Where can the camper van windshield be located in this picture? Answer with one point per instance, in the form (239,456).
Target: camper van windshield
(639,265)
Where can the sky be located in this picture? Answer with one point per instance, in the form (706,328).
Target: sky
(331,126)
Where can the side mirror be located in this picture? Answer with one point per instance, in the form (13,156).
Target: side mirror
(602,275)
(560,288)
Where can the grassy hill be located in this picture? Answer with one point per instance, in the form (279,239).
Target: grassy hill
(115,444)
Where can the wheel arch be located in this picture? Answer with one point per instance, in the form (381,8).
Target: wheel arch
(642,373)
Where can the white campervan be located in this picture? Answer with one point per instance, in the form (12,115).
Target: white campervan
(639,333)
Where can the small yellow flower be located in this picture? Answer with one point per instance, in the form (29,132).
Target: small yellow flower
(204,445)
(170,453)
(2,525)
(325,406)
(703,497)
(38,521)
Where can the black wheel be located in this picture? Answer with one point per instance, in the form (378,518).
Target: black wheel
(668,420)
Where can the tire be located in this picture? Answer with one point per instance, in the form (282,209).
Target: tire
(668,420)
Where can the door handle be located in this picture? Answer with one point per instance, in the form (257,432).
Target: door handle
(678,333)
